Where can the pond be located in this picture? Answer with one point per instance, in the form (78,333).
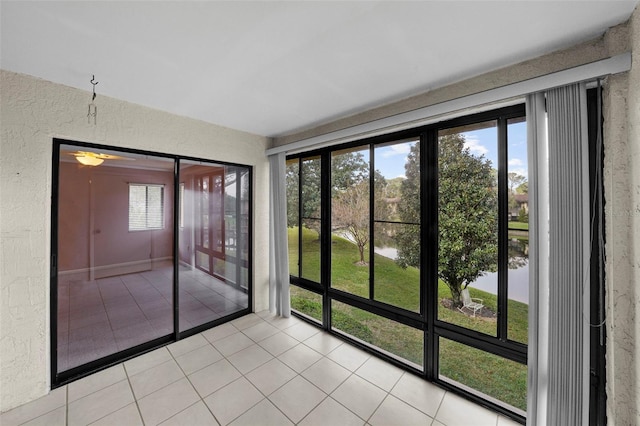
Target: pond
(518,283)
(518,277)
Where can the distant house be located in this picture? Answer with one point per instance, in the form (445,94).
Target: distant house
(522,202)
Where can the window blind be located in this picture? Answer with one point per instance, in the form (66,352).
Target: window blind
(146,207)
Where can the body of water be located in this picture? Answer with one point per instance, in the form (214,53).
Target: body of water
(518,283)
(518,278)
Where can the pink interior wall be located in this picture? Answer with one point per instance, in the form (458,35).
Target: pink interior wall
(96,199)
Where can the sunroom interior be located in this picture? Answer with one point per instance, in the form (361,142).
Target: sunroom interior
(229,192)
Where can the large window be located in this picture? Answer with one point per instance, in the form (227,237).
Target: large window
(415,245)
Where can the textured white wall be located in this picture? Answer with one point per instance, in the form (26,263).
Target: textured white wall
(622,215)
(32,112)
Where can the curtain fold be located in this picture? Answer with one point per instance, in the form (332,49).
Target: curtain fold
(279,302)
(537,381)
(568,339)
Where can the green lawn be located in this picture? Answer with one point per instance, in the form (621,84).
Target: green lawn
(519,226)
(495,376)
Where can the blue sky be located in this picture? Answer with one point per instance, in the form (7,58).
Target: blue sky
(390,160)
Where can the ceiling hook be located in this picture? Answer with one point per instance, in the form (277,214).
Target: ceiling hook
(93,109)
(94,82)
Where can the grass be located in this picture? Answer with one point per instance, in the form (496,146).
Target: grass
(492,375)
(519,226)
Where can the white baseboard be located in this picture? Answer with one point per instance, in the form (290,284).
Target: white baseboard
(116,269)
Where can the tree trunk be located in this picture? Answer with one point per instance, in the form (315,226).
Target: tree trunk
(456,294)
(361,249)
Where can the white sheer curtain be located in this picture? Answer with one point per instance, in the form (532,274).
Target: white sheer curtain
(279,302)
(538,257)
(559,321)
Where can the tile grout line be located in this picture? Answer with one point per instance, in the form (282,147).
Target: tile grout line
(66,403)
(323,357)
(135,399)
(435,415)
(201,399)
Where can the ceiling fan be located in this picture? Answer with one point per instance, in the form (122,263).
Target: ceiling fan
(89,158)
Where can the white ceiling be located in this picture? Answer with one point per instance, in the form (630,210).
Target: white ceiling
(272,68)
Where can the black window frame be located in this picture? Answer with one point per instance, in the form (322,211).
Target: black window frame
(62,378)
(426,319)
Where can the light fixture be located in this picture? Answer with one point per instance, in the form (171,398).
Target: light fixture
(89,160)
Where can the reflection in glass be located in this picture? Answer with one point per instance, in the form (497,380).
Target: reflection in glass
(350,212)
(489,374)
(390,337)
(115,273)
(518,193)
(468,224)
(213,278)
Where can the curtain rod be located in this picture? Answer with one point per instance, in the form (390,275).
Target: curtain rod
(483,100)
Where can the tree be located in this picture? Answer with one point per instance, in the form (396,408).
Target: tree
(408,237)
(350,209)
(515,181)
(293,182)
(346,170)
(523,188)
(467,215)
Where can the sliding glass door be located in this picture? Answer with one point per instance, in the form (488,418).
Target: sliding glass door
(213,241)
(143,255)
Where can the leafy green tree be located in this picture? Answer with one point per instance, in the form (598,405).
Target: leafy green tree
(523,188)
(293,182)
(346,170)
(515,181)
(408,237)
(467,215)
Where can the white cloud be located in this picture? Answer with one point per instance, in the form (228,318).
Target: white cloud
(516,162)
(521,172)
(472,142)
(399,149)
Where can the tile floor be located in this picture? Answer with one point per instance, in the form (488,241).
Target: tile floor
(101,317)
(256,370)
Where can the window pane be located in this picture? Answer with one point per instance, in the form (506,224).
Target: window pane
(213,278)
(306,302)
(350,221)
(397,243)
(293,213)
(393,284)
(468,226)
(154,206)
(397,340)
(518,276)
(115,287)
(311,218)
(181,203)
(397,180)
(488,374)
(243,226)
(137,207)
